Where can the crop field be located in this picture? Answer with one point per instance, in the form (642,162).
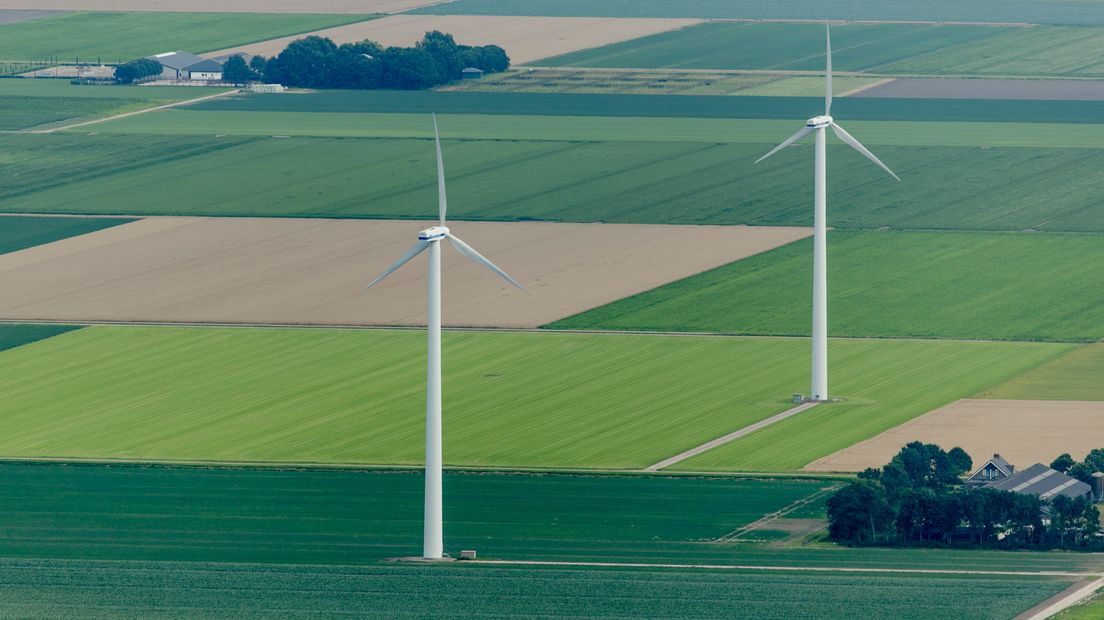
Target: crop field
(96,36)
(778,46)
(238,6)
(542,400)
(1090,610)
(981,11)
(1022,431)
(15,335)
(290,271)
(17,233)
(613,181)
(1074,376)
(888,285)
(44,588)
(658,82)
(787,108)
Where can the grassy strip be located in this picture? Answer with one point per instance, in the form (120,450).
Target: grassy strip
(918,284)
(513,400)
(119,37)
(1074,376)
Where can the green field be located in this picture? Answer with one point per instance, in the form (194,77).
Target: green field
(27,103)
(779,46)
(119,37)
(895,285)
(788,108)
(17,233)
(983,11)
(1091,610)
(530,400)
(613,181)
(1074,376)
(279,542)
(104,589)
(16,335)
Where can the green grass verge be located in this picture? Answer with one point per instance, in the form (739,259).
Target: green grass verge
(1074,376)
(614,181)
(982,11)
(526,400)
(27,103)
(102,589)
(16,335)
(778,46)
(120,37)
(1089,610)
(17,233)
(888,284)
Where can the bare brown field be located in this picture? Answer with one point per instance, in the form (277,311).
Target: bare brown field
(296,271)
(525,39)
(1023,431)
(354,7)
(981,88)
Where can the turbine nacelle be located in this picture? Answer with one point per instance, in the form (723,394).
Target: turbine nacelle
(818,122)
(434,233)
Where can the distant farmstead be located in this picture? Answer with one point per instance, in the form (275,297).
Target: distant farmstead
(186,67)
(1038,480)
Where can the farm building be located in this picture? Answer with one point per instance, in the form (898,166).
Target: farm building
(994,470)
(471,73)
(1037,480)
(187,67)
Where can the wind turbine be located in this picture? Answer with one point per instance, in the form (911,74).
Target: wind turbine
(820,243)
(430,238)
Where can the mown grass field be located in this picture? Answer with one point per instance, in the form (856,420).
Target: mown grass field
(889,285)
(17,233)
(1074,376)
(983,11)
(1090,610)
(15,335)
(778,46)
(525,400)
(44,588)
(613,181)
(120,37)
(27,103)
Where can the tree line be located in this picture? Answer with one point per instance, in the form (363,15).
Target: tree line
(317,62)
(136,70)
(918,499)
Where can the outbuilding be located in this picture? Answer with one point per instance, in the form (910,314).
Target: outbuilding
(187,67)
(471,73)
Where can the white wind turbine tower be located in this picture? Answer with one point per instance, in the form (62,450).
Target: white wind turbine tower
(430,238)
(820,248)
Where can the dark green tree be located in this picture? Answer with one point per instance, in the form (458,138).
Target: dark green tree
(408,69)
(859,513)
(961,463)
(235,71)
(445,52)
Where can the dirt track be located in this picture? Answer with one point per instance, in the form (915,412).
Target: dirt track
(244,270)
(980,88)
(525,39)
(225,6)
(1024,432)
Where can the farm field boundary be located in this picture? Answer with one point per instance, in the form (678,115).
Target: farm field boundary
(221,6)
(524,38)
(1074,376)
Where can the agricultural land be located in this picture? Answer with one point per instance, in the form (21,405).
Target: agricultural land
(206,414)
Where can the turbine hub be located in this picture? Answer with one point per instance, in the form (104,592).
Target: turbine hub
(818,122)
(434,233)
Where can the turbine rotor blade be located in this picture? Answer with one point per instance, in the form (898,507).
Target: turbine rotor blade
(801,133)
(828,72)
(442,203)
(476,257)
(411,253)
(849,139)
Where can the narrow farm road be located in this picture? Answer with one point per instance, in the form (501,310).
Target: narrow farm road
(720,441)
(1063,600)
(132,113)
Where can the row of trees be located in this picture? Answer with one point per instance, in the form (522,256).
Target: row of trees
(1083,471)
(136,70)
(918,499)
(317,62)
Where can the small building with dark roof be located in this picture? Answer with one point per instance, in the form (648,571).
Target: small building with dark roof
(185,66)
(471,73)
(994,470)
